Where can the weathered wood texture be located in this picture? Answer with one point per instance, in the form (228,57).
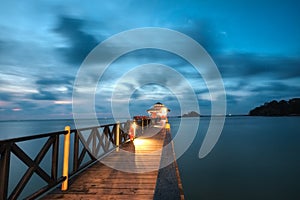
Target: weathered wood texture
(130,173)
(168,185)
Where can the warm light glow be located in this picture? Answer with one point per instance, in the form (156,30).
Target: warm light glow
(16,109)
(164,111)
(139,142)
(134,125)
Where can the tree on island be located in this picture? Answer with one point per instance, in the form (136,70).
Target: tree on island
(275,108)
(191,114)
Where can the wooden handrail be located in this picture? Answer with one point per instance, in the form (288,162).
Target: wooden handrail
(32,137)
(95,144)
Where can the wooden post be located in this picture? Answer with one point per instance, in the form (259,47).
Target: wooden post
(4,171)
(76,151)
(134,128)
(142,126)
(55,149)
(167,125)
(64,185)
(118,135)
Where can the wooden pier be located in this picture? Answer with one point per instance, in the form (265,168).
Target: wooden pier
(132,172)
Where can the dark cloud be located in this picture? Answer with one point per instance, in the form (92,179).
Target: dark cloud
(79,42)
(277,90)
(47,88)
(232,99)
(205,106)
(5,96)
(27,105)
(2,45)
(199,90)
(240,84)
(169,98)
(130,86)
(204,32)
(60,80)
(7,46)
(264,67)
(136,95)
(8,51)
(44,95)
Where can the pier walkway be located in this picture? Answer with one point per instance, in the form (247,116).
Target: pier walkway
(132,172)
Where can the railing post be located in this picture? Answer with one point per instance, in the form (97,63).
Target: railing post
(55,157)
(142,126)
(4,171)
(167,125)
(76,151)
(118,135)
(94,145)
(64,185)
(134,128)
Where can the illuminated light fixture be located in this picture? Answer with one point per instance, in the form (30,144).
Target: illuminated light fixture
(134,125)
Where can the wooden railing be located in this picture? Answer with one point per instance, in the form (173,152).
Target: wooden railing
(88,145)
(11,146)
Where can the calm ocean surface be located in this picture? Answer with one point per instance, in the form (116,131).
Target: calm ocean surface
(255,157)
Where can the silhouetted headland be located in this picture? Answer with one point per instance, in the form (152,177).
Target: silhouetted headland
(191,114)
(275,108)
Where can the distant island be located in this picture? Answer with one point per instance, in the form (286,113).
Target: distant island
(191,114)
(275,108)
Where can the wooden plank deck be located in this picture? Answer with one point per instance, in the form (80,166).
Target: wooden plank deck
(133,172)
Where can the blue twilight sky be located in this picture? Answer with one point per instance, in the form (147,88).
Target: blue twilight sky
(254,43)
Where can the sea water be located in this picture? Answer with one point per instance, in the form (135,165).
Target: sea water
(254,158)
